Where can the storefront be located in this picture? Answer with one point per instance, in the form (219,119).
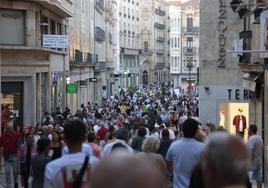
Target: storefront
(230,107)
(12,95)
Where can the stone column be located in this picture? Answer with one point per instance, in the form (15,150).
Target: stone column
(38,98)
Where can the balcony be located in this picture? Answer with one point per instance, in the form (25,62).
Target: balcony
(100,67)
(160,66)
(159,25)
(88,58)
(76,56)
(191,30)
(160,39)
(160,12)
(99,34)
(160,52)
(189,51)
(62,8)
(146,51)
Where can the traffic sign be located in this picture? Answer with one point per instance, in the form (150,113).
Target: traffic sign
(93,79)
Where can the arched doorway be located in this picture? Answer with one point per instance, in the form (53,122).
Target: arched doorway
(145,77)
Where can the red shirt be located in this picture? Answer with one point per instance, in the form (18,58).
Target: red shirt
(101,133)
(9,142)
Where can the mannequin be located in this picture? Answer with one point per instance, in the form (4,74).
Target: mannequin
(240,123)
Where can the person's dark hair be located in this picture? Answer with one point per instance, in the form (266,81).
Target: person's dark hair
(58,133)
(165,134)
(74,132)
(42,144)
(122,134)
(253,128)
(141,131)
(118,146)
(189,128)
(91,137)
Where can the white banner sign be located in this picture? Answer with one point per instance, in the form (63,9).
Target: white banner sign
(55,41)
(264,34)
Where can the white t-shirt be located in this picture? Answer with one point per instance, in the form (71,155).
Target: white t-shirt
(86,149)
(107,148)
(54,169)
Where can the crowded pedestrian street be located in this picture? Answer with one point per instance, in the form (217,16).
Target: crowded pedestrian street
(134,93)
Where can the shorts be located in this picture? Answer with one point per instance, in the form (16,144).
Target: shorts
(257,174)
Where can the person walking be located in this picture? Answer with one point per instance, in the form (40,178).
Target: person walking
(63,172)
(255,144)
(8,144)
(138,140)
(184,154)
(39,162)
(56,145)
(225,161)
(24,158)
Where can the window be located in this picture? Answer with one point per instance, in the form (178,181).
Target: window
(12,27)
(52,27)
(59,29)
(189,44)
(146,46)
(189,22)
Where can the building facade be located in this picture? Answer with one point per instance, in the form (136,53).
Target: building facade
(92,51)
(184,42)
(154,53)
(129,19)
(32,76)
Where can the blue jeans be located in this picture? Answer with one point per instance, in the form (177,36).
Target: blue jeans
(9,163)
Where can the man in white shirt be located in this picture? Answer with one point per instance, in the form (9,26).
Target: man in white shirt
(255,144)
(184,154)
(60,172)
(122,138)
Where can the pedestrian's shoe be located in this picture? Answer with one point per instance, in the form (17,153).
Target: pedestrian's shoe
(16,185)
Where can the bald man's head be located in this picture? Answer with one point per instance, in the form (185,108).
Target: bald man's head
(126,171)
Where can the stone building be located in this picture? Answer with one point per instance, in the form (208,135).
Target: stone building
(32,76)
(154,53)
(226,88)
(92,53)
(129,19)
(184,42)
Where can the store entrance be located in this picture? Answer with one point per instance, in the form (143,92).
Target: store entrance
(12,93)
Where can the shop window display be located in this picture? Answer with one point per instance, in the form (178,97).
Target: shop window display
(234,118)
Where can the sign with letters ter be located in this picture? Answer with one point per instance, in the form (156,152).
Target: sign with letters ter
(55,41)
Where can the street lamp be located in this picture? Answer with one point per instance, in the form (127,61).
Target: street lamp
(189,65)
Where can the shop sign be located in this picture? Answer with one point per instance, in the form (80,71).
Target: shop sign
(55,41)
(222,27)
(71,88)
(238,94)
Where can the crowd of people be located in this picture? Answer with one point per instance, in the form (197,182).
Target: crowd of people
(136,139)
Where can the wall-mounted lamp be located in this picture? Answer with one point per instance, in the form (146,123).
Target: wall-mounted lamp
(235,5)
(207,89)
(243,12)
